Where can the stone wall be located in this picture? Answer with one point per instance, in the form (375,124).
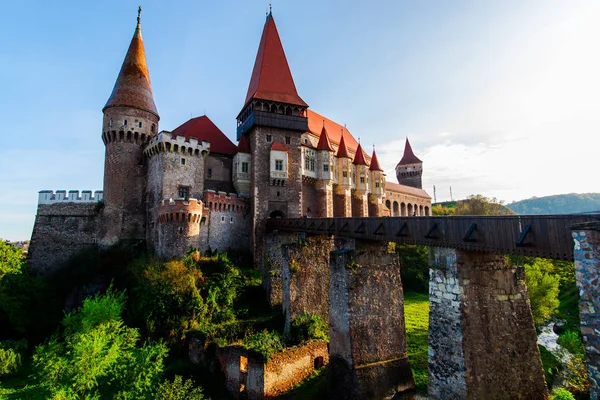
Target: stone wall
(310,199)
(477,298)
(366,324)
(227,225)
(587,271)
(60,231)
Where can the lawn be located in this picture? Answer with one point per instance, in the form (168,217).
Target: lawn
(416,315)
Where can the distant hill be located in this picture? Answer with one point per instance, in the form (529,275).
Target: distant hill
(560,204)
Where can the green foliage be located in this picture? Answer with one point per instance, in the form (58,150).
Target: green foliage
(481,205)
(576,377)
(11,356)
(414,268)
(11,259)
(559,204)
(264,343)
(550,364)
(308,326)
(96,355)
(543,290)
(416,315)
(443,209)
(562,394)
(571,342)
(178,389)
(313,387)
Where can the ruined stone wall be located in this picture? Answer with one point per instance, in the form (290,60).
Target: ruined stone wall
(306,278)
(276,262)
(477,298)
(587,271)
(367,331)
(227,224)
(60,231)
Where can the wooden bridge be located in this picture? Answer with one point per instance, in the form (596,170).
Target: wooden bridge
(547,236)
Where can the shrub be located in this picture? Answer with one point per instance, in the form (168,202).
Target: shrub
(576,377)
(178,390)
(543,290)
(562,394)
(571,342)
(11,356)
(264,343)
(308,326)
(414,267)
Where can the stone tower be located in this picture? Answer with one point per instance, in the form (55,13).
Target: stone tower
(130,120)
(410,169)
(272,119)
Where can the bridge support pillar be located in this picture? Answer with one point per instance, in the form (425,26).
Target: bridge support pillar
(367,350)
(587,271)
(482,340)
(275,263)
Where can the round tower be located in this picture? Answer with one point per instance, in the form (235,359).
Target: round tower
(178,226)
(130,120)
(410,169)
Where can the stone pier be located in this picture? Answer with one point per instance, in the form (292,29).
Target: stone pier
(587,270)
(366,324)
(482,340)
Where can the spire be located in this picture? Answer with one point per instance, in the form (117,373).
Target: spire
(324,143)
(359,157)
(271,76)
(342,149)
(133,88)
(375,162)
(243,146)
(409,157)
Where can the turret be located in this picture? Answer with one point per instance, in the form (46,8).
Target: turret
(178,226)
(325,159)
(242,162)
(344,161)
(410,169)
(130,120)
(361,184)
(377,183)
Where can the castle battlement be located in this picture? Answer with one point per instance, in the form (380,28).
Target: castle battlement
(72,196)
(180,210)
(164,141)
(225,202)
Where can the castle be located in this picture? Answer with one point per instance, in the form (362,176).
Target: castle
(193,188)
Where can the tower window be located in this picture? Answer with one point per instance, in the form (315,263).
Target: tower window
(184,192)
(287,140)
(269,138)
(279,165)
(125,122)
(362,179)
(325,167)
(376,184)
(231,220)
(140,124)
(183,161)
(345,174)
(209,173)
(244,167)
(222,218)
(152,128)
(110,122)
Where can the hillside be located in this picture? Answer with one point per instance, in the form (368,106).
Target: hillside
(558,204)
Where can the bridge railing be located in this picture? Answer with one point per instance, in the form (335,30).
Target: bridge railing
(547,236)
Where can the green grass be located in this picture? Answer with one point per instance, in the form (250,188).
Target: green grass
(416,315)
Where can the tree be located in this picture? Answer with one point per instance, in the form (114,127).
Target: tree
(11,259)
(481,205)
(543,290)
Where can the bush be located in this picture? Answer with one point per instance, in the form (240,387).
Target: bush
(543,290)
(414,267)
(550,364)
(562,394)
(571,342)
(264,343)
(308,326)
(179,390)
(11,353)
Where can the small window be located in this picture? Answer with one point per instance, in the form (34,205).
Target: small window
(305,141)
(110,122)
(345,174)
(376,184)
(125,122)
(362,179)
(184,192)
(222,218)
(325,167)
(209,173)
(244,167)
(183,161)
(269,138)
(287,140)
(140,125)
(231,220)
(277,194)
(152,128)
(279,165)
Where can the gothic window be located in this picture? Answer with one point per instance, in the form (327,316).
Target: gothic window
(184,192)
(140,124)
(306,162)
(269,138)
(279,165)
(244,167)
(312,163)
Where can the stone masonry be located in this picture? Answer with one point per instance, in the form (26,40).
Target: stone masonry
(366,324)
(587,270)
(481,334)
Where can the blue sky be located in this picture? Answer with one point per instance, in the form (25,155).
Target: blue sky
(498,97)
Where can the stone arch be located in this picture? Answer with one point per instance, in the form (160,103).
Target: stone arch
(409,210)
(277,214)
(388,204)
(421,210)
(426,210)
(395,209)
(403,209)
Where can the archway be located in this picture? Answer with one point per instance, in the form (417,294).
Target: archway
(277,214)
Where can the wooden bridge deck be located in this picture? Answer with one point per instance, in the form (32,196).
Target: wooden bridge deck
(547,236)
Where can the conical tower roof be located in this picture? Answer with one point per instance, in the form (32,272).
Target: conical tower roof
(342,149)
(409,157)
(133,88)
(243,146)
(271,76)
(359,157)
(324,143)
(375,163)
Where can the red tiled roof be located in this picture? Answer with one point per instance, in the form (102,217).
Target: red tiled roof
(397,188)
(324,141)
(359,157)
(202,128)
(271,76)
(334,130)
(375,163)
(279,146)
(409,157)
(243,146)
(133,88)
(342,149)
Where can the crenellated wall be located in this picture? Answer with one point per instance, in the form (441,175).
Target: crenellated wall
(227,223)
(178,226)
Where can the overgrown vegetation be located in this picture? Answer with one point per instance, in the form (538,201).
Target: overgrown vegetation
(308,326)
(416,316)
